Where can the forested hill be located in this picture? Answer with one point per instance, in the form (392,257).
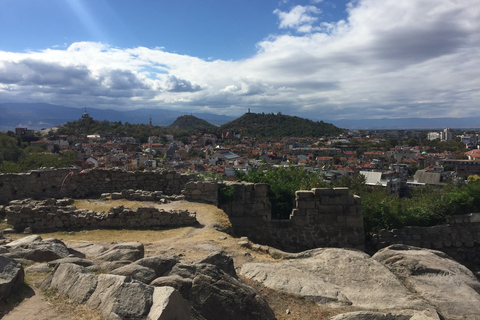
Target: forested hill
(278,125)
(191,122)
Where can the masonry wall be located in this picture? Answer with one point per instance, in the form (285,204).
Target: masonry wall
(321,218)
(54,215)
(79,184)
(459,238)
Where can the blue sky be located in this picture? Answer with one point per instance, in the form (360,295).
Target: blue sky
(318,59)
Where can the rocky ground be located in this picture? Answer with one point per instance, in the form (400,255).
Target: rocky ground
(397,283)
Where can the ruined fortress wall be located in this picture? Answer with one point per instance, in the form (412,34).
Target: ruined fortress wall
(321,217)
(77,184)
(459,238)
(54,215)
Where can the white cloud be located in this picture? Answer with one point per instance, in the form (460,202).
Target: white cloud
(387,59)
(299,17)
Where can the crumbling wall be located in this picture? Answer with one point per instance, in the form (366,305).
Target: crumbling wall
(459,238)
(321,217)
(59,183)
(54,215)
(202,191)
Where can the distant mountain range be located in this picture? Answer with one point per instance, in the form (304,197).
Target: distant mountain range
(42,115)
(37,116)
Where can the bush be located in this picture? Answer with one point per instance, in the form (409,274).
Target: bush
(283,184)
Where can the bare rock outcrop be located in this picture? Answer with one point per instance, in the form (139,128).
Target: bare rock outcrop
(131,251)
(434,276)
(11,276)
(158,287)
(339,277)
(35,249)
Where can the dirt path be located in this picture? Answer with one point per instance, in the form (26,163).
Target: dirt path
(34,307)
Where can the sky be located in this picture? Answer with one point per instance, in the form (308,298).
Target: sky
(317,59)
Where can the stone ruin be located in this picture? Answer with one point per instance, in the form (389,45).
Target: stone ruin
(321,217)
(59,214)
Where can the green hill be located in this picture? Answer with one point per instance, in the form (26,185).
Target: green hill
(191,122)
(278,126)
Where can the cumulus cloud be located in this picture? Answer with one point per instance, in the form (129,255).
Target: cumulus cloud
(174,84)
(299,17)
(388,58)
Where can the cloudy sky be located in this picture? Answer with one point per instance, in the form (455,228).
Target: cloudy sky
(319,59)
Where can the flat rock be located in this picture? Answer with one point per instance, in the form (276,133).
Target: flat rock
(337,277)
(168,304)
(446,284)
(39,251)
(123,251)
(11,277)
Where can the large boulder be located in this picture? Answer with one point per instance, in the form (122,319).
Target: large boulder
(159,264)
(214,293)
(168,304)
(11,276)
(35,249)
(119,297)
(338,277)
(131,251)
(217,295)
(222,260)
(446,284)
(74,281)
(88,249)
(25,241)
(136,272)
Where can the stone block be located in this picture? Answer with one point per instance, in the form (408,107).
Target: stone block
(341,191)
(323,191)
(330,209)
(305,204)
(303,194)
(355,222)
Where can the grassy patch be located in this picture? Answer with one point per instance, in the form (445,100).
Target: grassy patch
(105,205)
(119,235)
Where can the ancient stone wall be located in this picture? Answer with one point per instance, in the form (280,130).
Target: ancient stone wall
(61,183)
(321,218)
(202,191)
(54,215)
(459,238)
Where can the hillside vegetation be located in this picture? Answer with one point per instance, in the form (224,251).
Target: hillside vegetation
(187,122)
(278,125)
